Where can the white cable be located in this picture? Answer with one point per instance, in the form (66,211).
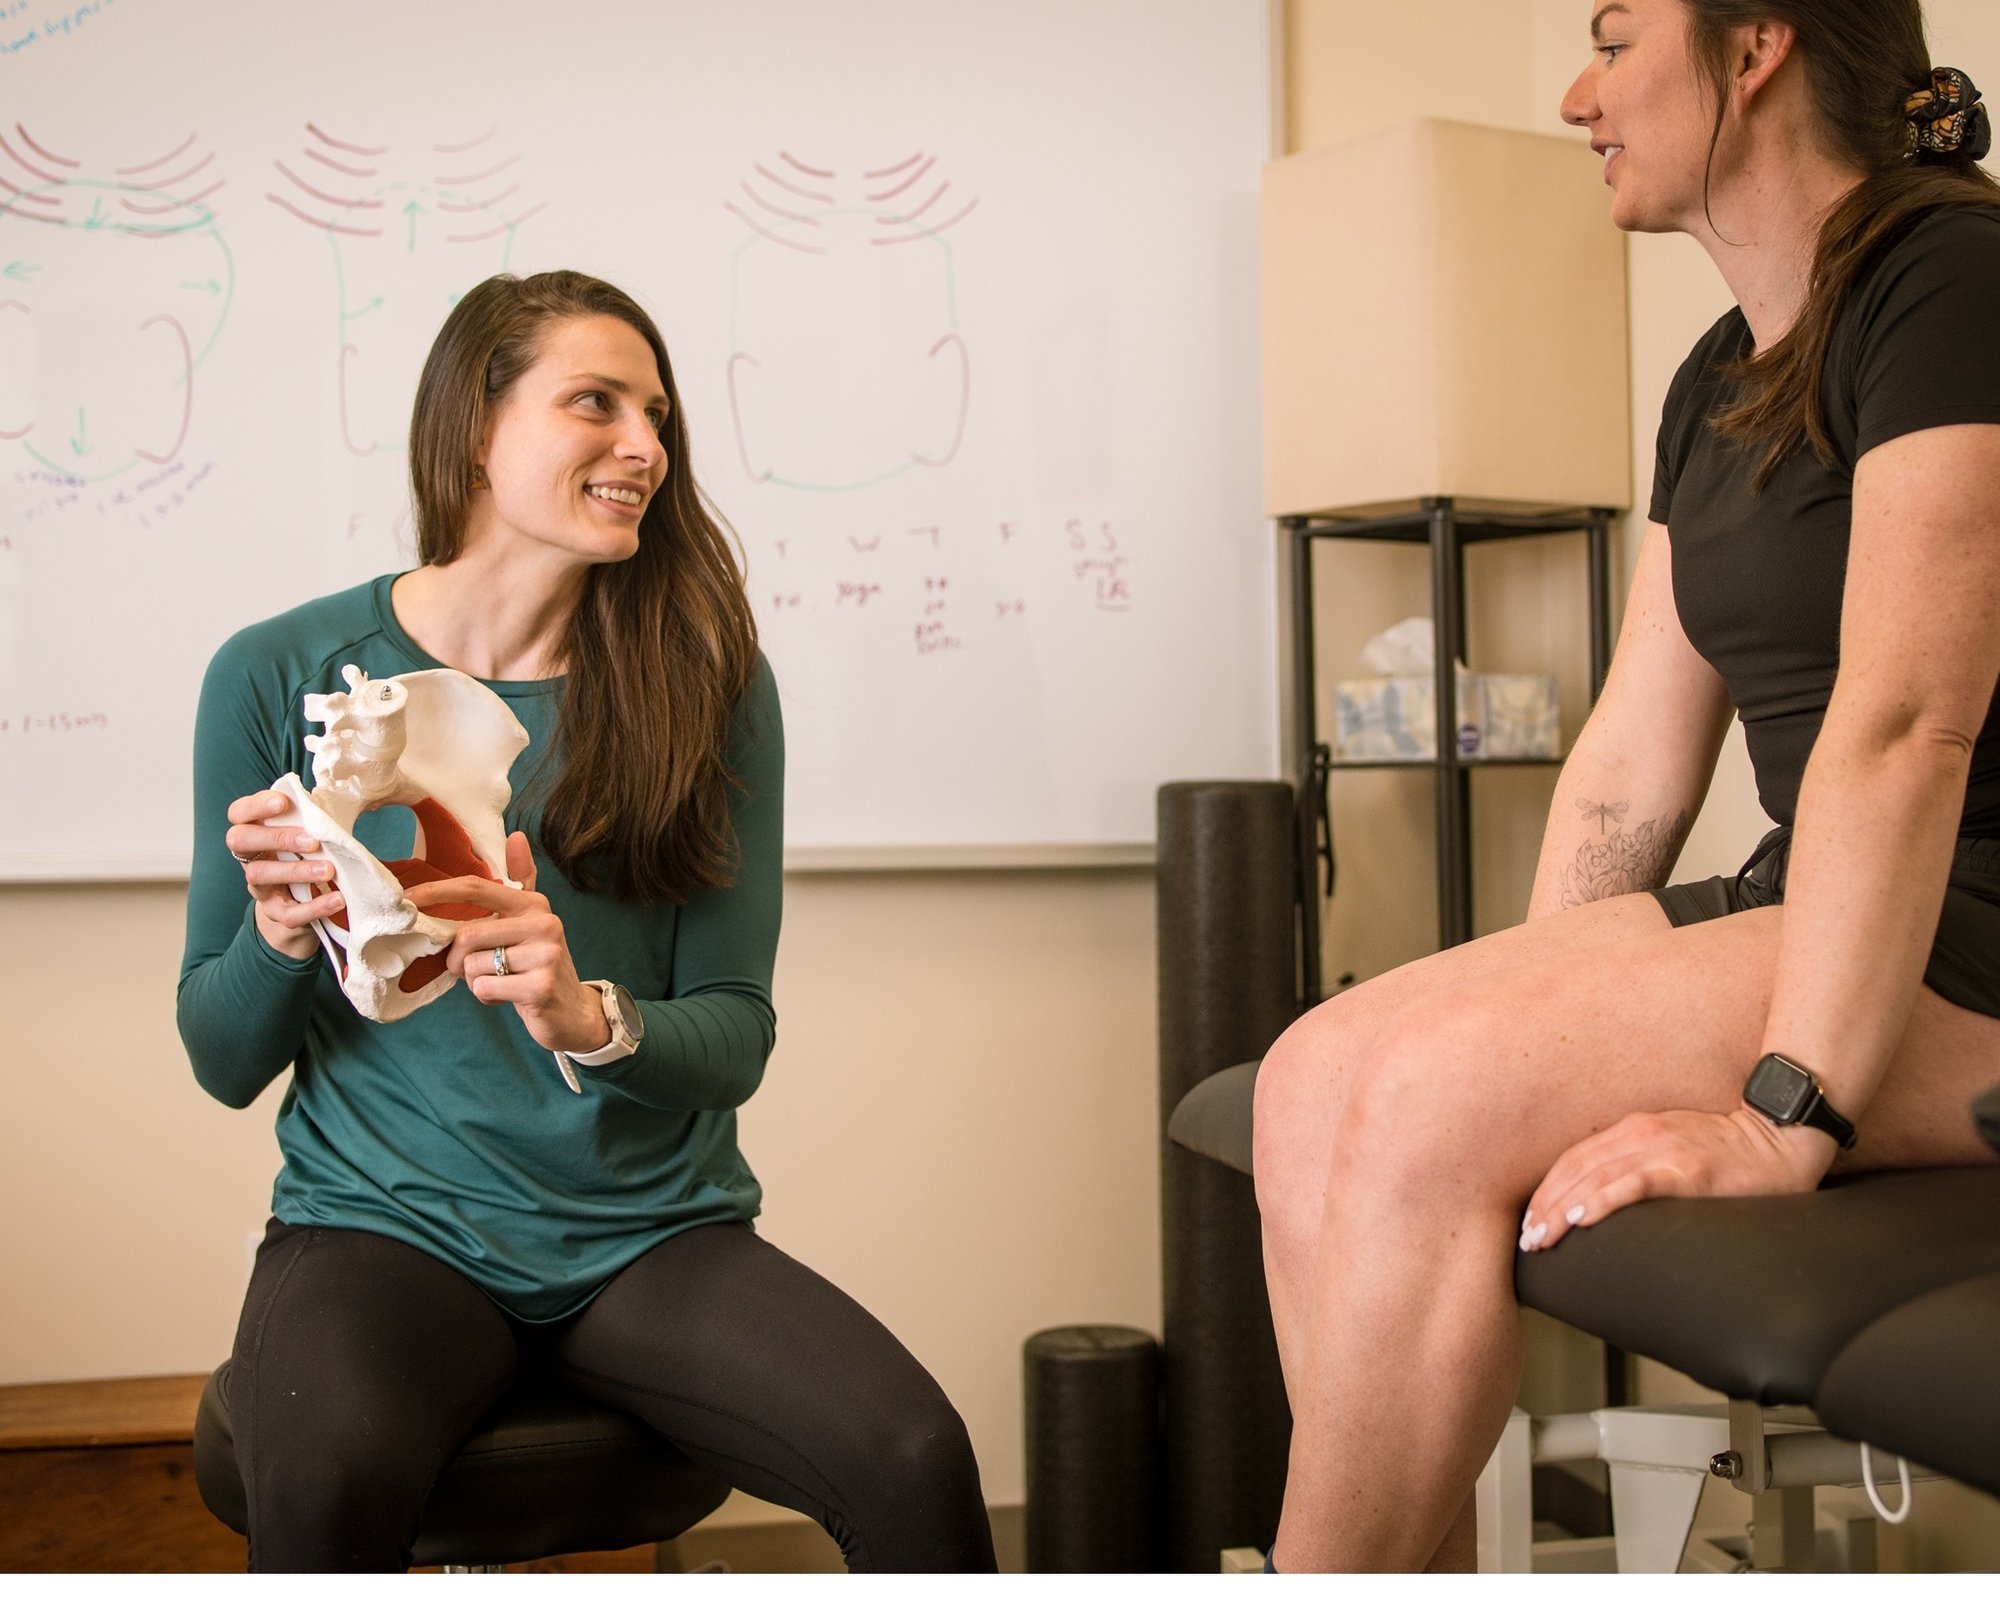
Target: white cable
(1868,1481)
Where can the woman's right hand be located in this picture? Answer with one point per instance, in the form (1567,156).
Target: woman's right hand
(286,923)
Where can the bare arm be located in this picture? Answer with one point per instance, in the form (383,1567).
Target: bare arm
(1878,810)
(1631,787)
(1882,795)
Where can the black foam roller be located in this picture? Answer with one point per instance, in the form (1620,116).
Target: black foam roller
(1227,962)
(1092,1399)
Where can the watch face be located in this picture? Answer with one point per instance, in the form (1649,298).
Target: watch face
(628,1011)
(1779,1089)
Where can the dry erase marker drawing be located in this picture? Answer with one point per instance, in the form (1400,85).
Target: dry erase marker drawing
(53,723)
(846,365)
(410,229)
(22,29)
(943,592)
(1102,569)
(114,286)
(933,628)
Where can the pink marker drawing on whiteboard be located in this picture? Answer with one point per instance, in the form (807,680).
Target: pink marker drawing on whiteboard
(85,395)
(846,364)
(411,229)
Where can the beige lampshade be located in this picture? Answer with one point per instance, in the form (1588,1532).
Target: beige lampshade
(1444,314)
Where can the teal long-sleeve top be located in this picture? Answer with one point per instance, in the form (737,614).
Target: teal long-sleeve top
(451,1129)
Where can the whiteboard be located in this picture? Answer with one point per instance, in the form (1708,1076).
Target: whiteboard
(962,303)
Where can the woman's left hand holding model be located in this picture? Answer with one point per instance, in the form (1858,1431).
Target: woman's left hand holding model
(1878,811)
(533,970)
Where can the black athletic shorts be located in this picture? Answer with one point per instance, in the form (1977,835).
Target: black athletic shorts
(1965,956)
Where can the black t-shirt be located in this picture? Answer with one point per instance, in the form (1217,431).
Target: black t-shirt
(1757,578)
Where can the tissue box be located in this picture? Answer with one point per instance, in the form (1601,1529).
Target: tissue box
(1518,718)
(1502,716)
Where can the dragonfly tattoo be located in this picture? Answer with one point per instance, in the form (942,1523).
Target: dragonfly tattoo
(1602,813)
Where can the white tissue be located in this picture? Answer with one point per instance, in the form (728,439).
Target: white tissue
(1392,716)
(1408,649)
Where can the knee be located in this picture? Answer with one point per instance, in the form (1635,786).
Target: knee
(1426,1110)
(340,1496)
(1297,1103)
(910,1495)
(323,1511)
(924,1451)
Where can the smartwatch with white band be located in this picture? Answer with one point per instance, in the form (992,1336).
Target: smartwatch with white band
(628,1027)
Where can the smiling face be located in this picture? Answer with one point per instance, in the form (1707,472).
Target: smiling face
(572,454)
(1648,111)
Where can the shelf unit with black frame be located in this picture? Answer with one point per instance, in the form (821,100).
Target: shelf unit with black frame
(1448,530)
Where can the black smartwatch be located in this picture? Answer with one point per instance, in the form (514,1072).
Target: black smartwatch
(1785,1093)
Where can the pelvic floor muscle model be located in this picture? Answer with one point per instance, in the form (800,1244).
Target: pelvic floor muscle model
(441,743)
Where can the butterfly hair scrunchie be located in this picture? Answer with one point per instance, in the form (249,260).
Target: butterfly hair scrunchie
(1947,118)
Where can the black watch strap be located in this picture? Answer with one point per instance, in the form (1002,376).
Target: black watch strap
(1785,1093)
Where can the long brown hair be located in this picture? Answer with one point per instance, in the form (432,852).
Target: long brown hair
(660,648)
(1862,59)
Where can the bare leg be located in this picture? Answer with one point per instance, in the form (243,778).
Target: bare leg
(1398,1140)
(1458,1554)
(1302,1089)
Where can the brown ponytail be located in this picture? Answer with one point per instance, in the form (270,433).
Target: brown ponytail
(1863,59)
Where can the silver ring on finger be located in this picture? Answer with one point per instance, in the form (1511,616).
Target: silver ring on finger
(243,859)
(499,962)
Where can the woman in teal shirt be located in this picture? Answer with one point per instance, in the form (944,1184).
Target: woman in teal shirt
(450,1211)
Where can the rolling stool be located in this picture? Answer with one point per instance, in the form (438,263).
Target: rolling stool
(546,1473)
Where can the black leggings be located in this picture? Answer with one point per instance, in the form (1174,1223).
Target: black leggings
(361,1364)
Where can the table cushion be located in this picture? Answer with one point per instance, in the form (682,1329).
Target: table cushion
(1756,1296)
(1753,1297)
(1213,1116)
(1924,1380)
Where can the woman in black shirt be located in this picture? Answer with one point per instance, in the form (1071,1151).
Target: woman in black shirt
(1824,559)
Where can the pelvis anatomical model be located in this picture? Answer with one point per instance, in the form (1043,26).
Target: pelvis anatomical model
(440,743)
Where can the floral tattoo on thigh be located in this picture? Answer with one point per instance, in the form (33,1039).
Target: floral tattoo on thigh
(1615,860)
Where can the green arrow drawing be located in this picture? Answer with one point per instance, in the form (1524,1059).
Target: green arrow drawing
(77,446)
(19,271)
(96,218)
(412,210)
(209,286)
